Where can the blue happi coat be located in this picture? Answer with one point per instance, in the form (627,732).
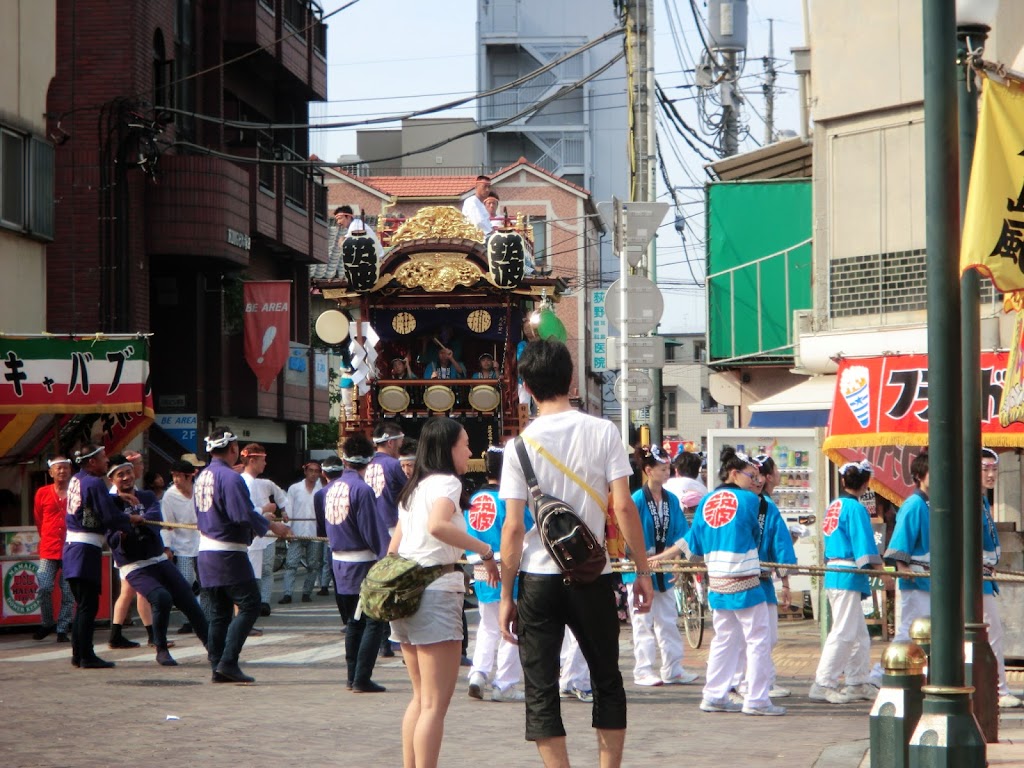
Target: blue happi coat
(91,510)
(989,546)
(131,543)
(725,533)
(910,542)
(224,513)
(675,531)
(849,543)
(353,526)
(484,520)
(776,545)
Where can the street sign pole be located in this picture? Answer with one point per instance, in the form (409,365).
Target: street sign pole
(620,225)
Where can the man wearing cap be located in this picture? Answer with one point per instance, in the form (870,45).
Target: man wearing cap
(50,510)
(474,208)
(303,524)
(227,524)
(357,542)
(179,507)
(141,558)
(90,510)
(487,369)
(990,558)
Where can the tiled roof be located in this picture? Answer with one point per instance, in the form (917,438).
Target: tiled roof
(333,268)
(419,187)
(543,171)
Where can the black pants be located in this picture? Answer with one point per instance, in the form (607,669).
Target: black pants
(87,604)
(362,640)
(227,633)
(163,585)
(546,607)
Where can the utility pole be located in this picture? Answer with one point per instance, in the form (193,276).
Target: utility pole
(769,86)
(730,106)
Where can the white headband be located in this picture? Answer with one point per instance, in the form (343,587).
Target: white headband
(55,462)
(80,457)
(747,460)
(220,442)
(387,438)
(863,465)
(112,470)
(357,459)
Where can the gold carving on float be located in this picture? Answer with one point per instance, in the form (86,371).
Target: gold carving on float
(438,272)
(437,221)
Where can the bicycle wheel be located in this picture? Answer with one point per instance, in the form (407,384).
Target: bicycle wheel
(691,610)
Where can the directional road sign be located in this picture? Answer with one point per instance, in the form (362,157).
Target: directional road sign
(638,391)
(642,222)
(642,352)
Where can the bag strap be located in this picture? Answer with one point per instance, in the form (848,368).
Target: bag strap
(602,503)
(528,473)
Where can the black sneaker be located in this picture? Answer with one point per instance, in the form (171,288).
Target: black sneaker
(368,687)
(96,663)
(323,592)
(120,642)
(264,609)
(43,632)
(62,637)
(285,600)
(307,599)
(231,674)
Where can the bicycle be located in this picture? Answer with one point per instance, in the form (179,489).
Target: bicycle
(692,605)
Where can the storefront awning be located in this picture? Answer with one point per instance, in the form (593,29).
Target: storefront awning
(805,405)
(46,380)
(880,412)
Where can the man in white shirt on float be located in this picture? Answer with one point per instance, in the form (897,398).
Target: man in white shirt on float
(350,224)
(474,208)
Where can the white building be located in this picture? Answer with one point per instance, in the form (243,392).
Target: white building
(688,409)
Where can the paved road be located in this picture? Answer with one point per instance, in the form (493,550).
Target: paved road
(300,713)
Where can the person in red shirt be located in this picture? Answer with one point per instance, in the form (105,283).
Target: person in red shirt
(50,510)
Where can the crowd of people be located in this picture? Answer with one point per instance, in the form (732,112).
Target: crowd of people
(387,494)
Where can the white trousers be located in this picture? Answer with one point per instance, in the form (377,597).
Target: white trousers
(739,681)
(490,646)
(913,604)
(655,631)
(995,637)
(847,650)
(738,634)
(574,670)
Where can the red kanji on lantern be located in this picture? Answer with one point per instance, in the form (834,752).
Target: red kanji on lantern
(831,521)
(482,512)
(720,509)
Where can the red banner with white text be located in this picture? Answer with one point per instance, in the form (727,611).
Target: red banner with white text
(267,312)
(880,412)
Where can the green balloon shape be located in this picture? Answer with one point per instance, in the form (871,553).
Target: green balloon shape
(550,327)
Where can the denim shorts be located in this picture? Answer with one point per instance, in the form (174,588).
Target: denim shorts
(438,620)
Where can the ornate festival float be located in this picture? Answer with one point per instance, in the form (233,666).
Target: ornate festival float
(435,290)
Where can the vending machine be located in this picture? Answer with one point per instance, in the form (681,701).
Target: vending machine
(802,491)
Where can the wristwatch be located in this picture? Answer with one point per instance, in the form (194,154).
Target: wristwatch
(488,555)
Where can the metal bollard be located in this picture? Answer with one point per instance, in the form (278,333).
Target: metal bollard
(897,708)
(921,634)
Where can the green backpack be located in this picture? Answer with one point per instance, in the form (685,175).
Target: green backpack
(393,587)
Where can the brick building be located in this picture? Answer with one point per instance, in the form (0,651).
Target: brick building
(565,224)
(165,206)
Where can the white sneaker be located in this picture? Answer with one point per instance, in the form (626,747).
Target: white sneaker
(779,693)
(719,705)
(512,693)
(769,710)
(831,695)
(648,681)
(736,698)
(861,692)
(685,678)
(1009,701)
(477,681)
(578,693)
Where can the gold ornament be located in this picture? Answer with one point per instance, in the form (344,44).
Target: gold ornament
(403,323)
(479,320)
(904,659)
(438,272)
(437,221)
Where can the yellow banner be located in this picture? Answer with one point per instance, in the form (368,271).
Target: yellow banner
(993,236)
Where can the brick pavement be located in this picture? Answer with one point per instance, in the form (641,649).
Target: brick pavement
(298,712)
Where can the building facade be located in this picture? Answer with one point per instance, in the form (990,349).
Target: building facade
(688,408)
(171,196)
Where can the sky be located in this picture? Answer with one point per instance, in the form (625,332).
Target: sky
(389,58)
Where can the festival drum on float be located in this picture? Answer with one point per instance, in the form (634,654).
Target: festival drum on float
(484,398)
(393,399)
(439,398)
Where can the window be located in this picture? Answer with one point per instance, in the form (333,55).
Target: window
(185,67)
(668,416)
(708,404)
(295,15)
(541,257)
(26,184)
(670,350)
(698,351)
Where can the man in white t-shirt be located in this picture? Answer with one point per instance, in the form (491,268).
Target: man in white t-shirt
(592,449)
(268,498)
(303,524)
(474,208)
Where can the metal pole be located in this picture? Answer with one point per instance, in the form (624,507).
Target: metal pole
(981,669)
(620,219)
(730,106)
(947,734)
(650,195)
